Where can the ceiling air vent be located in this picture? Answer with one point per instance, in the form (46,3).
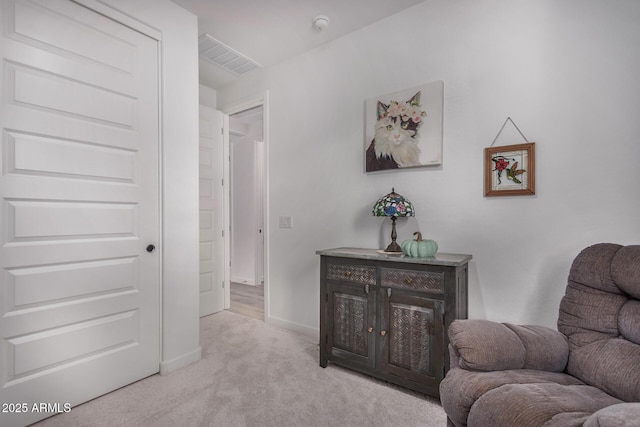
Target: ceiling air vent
(216,52)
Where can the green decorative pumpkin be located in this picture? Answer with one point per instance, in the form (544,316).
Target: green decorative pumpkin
(419,248)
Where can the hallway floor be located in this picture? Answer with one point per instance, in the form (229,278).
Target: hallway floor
(247,300)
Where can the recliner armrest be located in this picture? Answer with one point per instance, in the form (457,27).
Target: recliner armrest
(483,345)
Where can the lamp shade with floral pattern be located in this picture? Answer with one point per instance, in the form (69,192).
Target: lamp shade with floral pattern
(393,205)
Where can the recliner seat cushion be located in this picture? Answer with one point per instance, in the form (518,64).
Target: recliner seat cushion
(536,404)
(568,419)
(469,386)
(620,415)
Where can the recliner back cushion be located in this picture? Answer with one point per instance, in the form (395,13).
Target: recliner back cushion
(611,365)
(588,315)
(589,309)
(592,267)
(625,270)
(600,315)
(629,321)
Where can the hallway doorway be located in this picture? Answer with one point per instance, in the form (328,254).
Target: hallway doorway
(246,176)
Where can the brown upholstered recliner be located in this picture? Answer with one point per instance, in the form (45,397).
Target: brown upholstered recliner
(585,373)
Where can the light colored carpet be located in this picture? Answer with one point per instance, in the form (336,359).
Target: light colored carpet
(253,374)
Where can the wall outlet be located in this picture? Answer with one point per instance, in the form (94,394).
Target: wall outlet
(285,222)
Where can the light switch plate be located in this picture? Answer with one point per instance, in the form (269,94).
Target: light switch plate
(285,222)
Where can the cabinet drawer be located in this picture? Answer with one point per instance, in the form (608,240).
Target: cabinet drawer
(352,273)
(411,279)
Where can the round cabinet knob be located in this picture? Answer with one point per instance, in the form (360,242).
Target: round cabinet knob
(370,330)
(383,333)
(151,248)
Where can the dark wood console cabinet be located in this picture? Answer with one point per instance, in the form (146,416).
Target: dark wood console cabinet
(387,315)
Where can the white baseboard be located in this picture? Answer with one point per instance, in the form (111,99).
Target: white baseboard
(169,366)
(243,280)
(292,326)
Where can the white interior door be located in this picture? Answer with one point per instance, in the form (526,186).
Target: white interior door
(211,211)
(79,204)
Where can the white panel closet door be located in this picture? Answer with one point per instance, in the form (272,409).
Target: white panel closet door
(211,211)
(79,204)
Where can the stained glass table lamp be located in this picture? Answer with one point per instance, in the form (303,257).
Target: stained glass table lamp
(393,205)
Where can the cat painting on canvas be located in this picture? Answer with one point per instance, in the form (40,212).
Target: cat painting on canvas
(395,143)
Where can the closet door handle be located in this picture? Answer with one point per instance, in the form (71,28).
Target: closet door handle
(151,248)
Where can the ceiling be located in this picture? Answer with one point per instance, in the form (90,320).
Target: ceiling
(271,31)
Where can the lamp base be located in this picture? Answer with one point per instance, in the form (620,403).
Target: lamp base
(393,247)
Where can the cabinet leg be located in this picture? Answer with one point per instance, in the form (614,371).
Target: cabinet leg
(323,358)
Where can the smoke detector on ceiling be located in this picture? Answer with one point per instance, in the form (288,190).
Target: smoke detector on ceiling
(320,22)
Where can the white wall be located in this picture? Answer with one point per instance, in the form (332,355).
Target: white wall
(207,96)
(565,71)
(179,118)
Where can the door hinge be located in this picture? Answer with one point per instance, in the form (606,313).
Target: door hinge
(223,284)
(222,233)
(222,131)
(222,182)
